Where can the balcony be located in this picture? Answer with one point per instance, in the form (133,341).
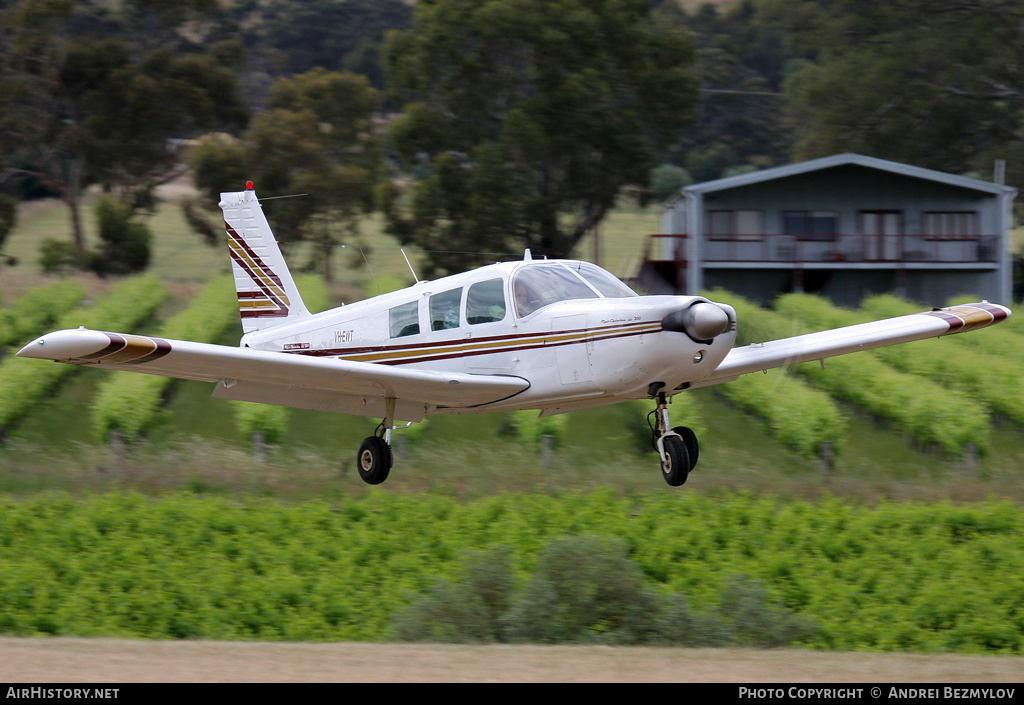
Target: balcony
(837,250)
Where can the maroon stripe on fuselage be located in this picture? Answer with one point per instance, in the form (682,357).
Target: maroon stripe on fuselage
(539,341)
(334,352)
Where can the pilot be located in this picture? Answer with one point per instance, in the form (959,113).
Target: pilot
(526,302)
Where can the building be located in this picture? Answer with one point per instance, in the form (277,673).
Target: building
(844,226)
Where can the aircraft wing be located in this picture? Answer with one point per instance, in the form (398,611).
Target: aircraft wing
(864,336)
(286,379)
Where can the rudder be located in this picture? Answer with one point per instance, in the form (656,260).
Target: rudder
(266,291)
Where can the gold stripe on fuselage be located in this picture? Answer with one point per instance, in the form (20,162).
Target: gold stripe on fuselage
(506,344)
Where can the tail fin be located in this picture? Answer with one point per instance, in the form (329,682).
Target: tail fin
(266,291)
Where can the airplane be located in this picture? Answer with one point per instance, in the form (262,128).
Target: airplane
(553,335)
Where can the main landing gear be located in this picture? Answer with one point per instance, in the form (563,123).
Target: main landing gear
(678,447)
(375,458)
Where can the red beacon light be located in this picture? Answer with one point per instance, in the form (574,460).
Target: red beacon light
(248,186)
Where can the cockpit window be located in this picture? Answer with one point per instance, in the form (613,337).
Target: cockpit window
(539,285)
(601,280)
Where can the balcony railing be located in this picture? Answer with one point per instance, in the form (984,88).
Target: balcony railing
(939,249)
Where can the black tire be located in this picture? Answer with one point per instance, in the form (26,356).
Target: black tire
(676,466)
(374,460)
(690,441)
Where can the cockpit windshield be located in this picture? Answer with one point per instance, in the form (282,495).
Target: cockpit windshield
(538,285)
(601,280)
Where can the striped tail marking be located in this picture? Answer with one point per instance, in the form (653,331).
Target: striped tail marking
(270,301)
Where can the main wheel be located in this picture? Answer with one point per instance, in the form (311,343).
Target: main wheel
(676,466)
(690,441)
(374,460)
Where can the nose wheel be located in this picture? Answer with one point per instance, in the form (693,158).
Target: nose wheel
(677,447)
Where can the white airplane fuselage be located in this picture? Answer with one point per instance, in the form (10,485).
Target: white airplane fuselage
(575,353)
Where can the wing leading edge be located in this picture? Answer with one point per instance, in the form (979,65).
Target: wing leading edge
(286,379)
(864,336)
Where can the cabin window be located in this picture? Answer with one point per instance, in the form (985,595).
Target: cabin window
(601,280)
(485,302)
(444,309)
(405,319)
(537,286)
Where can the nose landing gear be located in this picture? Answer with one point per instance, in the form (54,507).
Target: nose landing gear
(677,447)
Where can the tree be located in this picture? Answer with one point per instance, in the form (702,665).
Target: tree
(125,241)
(930,82)
(93,94)
(524,119)
(740,120)
(295,37)
(316,139)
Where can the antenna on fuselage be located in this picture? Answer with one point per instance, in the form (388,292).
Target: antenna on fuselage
(374,276)
(414,277)
(527,257)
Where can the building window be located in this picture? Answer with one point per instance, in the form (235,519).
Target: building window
(735,225)
(884,231)
(950,224)
(811,225)
(405,320)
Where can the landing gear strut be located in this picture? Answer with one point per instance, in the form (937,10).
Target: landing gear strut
(678,447)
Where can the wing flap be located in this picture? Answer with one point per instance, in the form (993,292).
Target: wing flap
(291,373)
(864,336)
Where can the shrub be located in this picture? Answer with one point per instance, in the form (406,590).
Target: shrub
(37,309)
(125,247)
(586,589)
(752,618)
(531,427)
(60,256)
(271,421)
(468,610)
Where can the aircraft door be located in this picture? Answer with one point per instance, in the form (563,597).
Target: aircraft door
(486,334)
(573,357)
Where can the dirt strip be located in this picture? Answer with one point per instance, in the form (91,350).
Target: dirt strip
(67,660)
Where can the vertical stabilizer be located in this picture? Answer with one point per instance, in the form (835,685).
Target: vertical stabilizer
(266,291)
